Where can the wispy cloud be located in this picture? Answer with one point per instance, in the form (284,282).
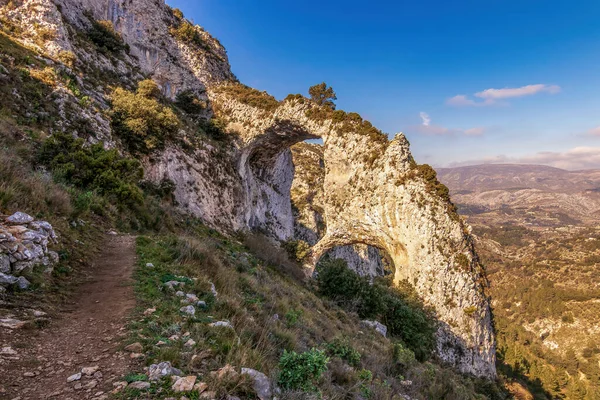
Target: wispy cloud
(594,132)
(426,128)
(572,159)
(491,96)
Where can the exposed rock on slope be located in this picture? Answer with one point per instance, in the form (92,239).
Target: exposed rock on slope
(375,194)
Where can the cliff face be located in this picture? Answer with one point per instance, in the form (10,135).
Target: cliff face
(374,193)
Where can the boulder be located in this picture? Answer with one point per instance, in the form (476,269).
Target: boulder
(261,385)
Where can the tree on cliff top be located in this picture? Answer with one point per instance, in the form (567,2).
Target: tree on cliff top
(322,95)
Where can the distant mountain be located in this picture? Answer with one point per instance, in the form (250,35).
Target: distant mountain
(480,178)
(535,195)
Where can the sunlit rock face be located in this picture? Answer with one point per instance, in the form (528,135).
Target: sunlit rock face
(373,193)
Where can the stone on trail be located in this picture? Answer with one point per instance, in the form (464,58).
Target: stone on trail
(134,347)
(90,370)
(23,283)
(74,377)
(7,279)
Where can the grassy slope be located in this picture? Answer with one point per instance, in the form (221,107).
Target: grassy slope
(270,311)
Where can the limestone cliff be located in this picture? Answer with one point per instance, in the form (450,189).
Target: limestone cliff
(374,193)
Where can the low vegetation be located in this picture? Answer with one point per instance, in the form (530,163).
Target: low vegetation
(140,119)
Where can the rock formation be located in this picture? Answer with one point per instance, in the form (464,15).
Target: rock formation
(23,247)
(375,194)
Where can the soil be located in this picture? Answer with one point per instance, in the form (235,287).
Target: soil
(87,332)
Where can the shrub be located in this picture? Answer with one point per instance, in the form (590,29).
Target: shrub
(297,249)
(302,371)
(292,317)
(189,102)
(103,35)
(402,355)
(141,121)
(93,168)
(341,347)
(398,308)
(322,95)
(187,33)
(250,96)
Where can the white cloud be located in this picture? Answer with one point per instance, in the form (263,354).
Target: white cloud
(491,96)
(426,128)
(573,159)
(508,93)
(594,132)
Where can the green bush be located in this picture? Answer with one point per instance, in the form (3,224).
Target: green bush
(403,356)
(296,249)
(142,122)
(187,33)
(188,102)
(302,371)
(103,35)
(397,307)
(341,347)
(94,169)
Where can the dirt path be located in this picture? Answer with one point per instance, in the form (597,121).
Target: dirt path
(87,334)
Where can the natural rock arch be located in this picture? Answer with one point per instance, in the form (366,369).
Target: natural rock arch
(374,194)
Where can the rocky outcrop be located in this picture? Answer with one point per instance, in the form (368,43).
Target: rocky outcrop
(23,247)
(375,194)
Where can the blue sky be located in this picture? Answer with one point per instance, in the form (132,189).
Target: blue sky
(466,81)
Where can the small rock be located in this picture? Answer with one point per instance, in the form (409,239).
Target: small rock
(149,311)
(98,375)
(140,385)
(136,355)
(112,233)
(157,371)
(19,218)
(11,323)
(188,310)
(191,298)
(200,387)
(201,304)
(29,374)
(184,384)
(134,347)
(226,372)
(208,395)
(8,351)
(78,386)
(179,293)
(221,324)
(90,370)
(160,343)
(261,385)
(378,326)
(149,265)
(74,377)
(213,289)
(190,343)
(90,385)
(6,279)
